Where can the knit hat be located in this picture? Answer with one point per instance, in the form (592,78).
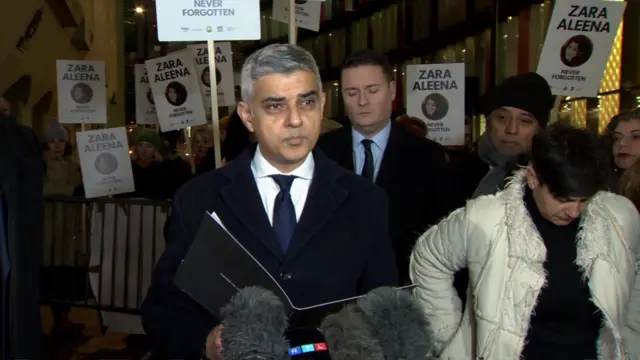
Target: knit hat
(529,92)
(56,132)
(151,137)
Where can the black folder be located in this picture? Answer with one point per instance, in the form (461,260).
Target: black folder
(217,266)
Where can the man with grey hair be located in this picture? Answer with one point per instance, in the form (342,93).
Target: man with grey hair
(319,229)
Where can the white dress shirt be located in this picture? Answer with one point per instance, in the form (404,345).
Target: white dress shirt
(269,189)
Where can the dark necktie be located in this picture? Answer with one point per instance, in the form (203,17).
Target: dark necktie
(368,168)
(284,213)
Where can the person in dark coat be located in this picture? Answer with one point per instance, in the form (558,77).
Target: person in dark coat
(155,178)
(334,243)
(409,168)
(515,110)
(237,139)
(21,222)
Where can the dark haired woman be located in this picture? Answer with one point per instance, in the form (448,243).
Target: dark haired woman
(552,262)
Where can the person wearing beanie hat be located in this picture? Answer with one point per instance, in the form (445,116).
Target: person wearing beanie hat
(57,138)
(528,93)
(153,177)
(147,147)
(515,110)
(62,176)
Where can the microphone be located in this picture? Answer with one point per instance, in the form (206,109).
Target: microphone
(397,322)
(385,324)
(254,323)
(348,337)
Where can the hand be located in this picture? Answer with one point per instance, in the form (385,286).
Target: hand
(214,343)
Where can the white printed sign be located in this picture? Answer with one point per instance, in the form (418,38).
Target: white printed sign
(435,94)
(105,162)
(82,95)
(145,105)
(224,73)
(308,13)
(176,92)
(578,45)
(206,20)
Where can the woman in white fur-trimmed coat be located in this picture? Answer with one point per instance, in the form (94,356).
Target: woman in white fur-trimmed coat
(552,262)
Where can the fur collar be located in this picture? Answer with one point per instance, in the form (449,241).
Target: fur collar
(594,253)
(525,241)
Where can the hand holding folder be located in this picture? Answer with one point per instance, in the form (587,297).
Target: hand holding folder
(217,266)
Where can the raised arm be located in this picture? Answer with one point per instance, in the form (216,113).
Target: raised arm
(438,254)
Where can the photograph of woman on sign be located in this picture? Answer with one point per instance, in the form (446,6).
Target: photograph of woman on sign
(175,93)
(576,51)
(81,93)
(206,77)
(435,106)
(106,163)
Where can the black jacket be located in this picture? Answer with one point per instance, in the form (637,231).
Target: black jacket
(340,247)
(412,174)
(21,181)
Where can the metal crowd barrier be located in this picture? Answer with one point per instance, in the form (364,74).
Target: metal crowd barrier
(99,253)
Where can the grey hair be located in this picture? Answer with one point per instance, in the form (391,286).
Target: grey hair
(275,59)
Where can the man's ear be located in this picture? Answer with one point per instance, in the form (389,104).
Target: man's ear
(244,111)
(532,178)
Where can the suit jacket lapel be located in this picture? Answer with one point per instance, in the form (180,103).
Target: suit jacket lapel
(243,199)
(324,197)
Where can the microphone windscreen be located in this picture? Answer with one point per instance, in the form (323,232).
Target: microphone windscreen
(397,322)
(254,323)
(348,337)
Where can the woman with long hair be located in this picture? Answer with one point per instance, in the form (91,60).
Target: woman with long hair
(622,138)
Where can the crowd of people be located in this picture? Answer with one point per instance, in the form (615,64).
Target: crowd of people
(525,245)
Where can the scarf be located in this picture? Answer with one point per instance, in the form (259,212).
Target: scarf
(499,165)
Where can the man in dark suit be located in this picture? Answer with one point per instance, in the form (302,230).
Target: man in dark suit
(21,219)
(407,167)
(319,229)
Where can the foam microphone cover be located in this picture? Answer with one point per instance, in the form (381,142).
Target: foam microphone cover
(396,321)
(254,323)
(348,337)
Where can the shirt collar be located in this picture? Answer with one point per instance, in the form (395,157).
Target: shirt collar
(262,168)
(380,139)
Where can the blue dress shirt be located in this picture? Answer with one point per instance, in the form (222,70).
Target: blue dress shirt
(380,141)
